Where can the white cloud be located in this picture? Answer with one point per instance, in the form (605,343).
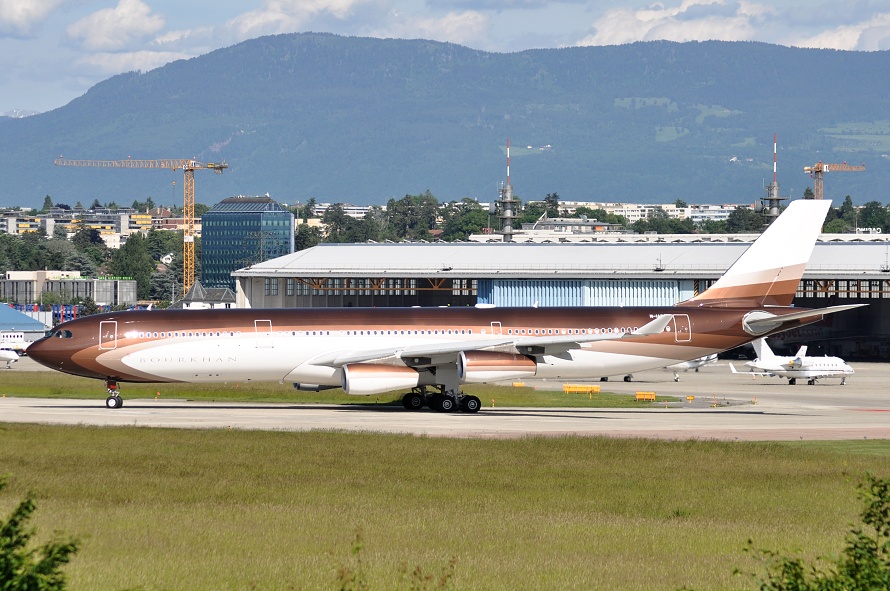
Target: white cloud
(465,28)
(112,29)
(692,20)
(114,63)
(19,18)
(870,35)
(288,16)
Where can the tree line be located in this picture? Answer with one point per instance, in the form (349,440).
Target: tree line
(411,218)
(418,217)
(139,258)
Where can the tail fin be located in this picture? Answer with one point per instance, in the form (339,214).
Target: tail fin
(769,272)
(764,353)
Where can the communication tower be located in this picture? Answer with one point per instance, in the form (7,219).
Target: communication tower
(507,205)
(772,201)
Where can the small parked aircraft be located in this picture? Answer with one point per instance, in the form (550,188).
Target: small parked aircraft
(694,364)
(9,356)
(795,366)
(678,367)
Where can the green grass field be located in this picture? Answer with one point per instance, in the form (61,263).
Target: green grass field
(205,509)
(177,509)
(43,384)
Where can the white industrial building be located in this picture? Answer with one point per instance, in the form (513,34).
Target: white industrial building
(644,273)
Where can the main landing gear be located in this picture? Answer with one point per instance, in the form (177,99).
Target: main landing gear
(441,401)
(114,399)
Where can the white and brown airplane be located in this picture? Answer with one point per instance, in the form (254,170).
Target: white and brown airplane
(368,351)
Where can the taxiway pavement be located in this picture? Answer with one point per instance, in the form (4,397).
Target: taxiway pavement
(725,407)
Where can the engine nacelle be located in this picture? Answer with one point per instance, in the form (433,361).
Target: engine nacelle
(363,379)
(490,366)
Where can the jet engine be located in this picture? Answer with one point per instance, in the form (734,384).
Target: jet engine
(486,366)
(368,378)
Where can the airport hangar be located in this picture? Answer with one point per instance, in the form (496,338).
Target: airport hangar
(622,270)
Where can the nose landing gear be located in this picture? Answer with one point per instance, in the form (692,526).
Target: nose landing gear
(114,399)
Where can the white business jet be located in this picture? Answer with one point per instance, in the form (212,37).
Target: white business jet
(795,366)
(9,356)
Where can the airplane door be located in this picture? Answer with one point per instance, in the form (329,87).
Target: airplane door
(682,328)
(108,334)
(263,334)
(496,328)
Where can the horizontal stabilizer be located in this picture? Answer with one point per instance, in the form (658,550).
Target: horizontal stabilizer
(759,322)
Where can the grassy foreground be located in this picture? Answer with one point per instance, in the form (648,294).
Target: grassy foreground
(43,384)
(176,509)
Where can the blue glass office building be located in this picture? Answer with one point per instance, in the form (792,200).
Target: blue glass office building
(242,231)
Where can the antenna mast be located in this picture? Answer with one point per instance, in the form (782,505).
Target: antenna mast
(507,204)
(773,201)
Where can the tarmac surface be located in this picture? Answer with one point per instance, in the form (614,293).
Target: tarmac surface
(725,407)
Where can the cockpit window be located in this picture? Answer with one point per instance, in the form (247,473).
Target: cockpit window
(63,334)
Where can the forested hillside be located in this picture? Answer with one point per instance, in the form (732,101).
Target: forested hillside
(364,120)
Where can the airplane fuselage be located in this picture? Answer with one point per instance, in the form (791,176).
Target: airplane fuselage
(296,345)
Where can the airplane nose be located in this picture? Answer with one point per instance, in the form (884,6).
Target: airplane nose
(47,353)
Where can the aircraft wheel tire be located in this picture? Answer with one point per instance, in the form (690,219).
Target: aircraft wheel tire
(470,404)
(412,401)
(446,404)
(114,402)
(792,381)
(810,382)
(627,378)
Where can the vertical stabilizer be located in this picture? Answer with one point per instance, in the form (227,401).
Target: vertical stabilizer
(765,355)
(769,272)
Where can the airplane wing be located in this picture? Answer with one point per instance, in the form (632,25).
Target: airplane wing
(750,373)
(538,345)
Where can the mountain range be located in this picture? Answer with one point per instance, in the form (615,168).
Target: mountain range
(361,120)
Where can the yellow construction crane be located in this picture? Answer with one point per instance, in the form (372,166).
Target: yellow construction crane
(189,166)
(817,170)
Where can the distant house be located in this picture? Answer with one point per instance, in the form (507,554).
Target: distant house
(205,298)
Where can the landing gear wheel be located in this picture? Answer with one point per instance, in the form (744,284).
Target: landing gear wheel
(470,404)
(114,402)
(445,403)
(792,381)
(811,382)
(412,401)
(628,378)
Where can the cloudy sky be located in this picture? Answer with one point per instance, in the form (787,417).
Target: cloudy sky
(52,51)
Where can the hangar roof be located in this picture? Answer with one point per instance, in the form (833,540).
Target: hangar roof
(572,260)
(13,320)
